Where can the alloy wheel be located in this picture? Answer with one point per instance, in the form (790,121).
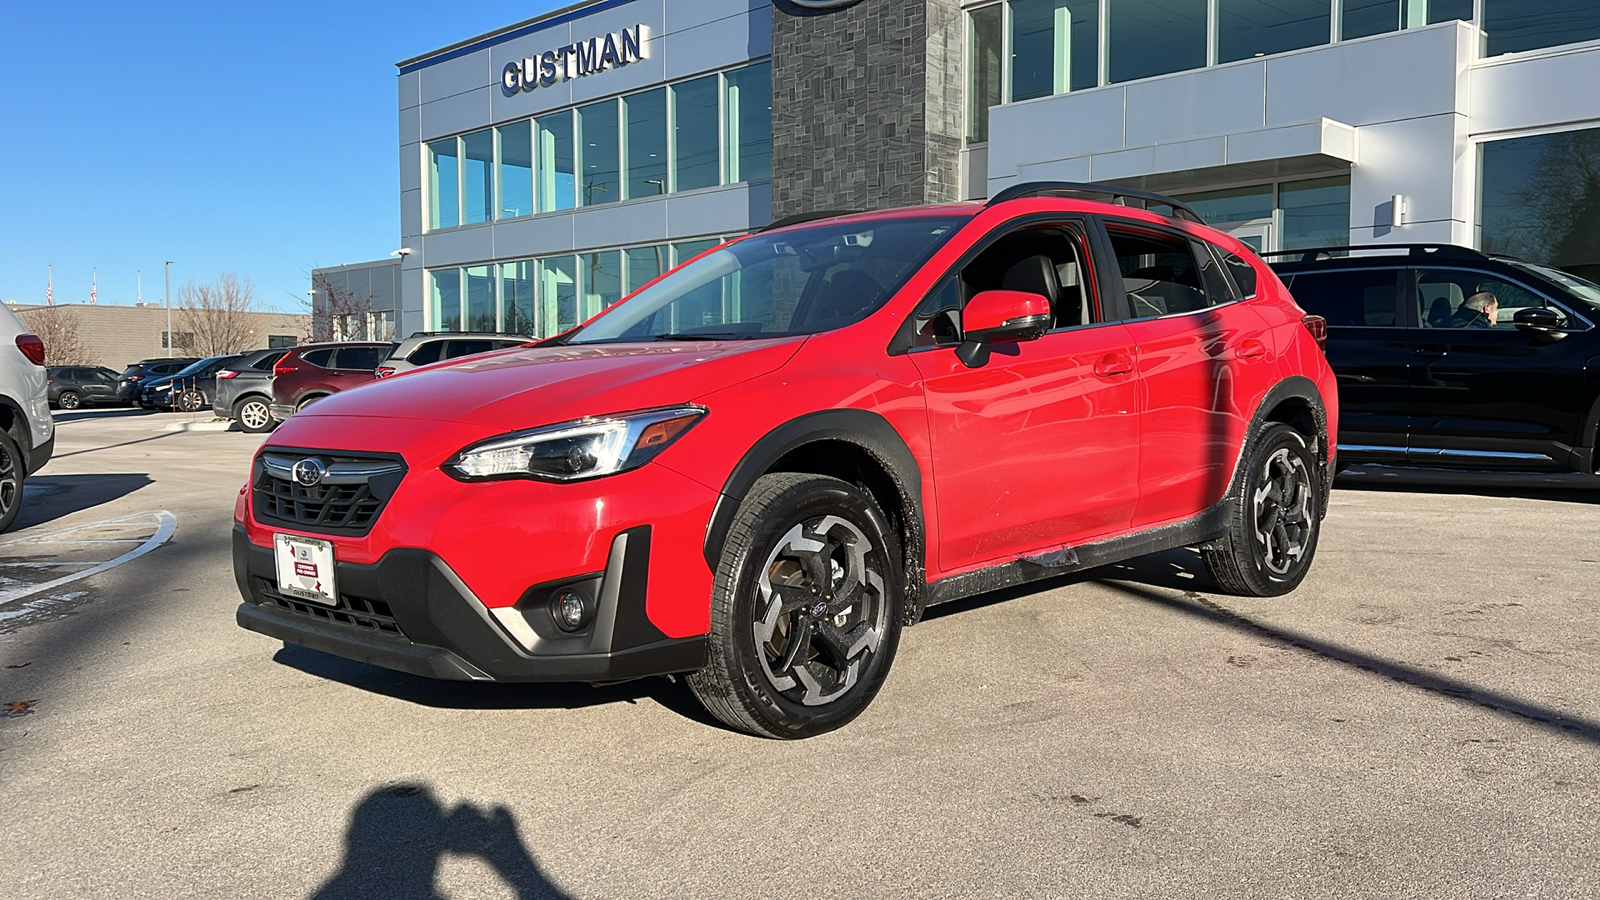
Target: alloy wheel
(254,415)
(68,400)
(1283,511)
(821,611)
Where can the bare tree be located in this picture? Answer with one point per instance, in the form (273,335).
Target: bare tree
(215,318)
(340,314)
(57,326)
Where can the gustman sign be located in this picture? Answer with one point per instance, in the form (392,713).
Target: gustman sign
(577,59)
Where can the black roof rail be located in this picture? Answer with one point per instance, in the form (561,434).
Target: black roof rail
(802,218)
(1414,251)
(1120,196)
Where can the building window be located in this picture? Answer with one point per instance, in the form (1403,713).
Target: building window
(696,118)
(599,154)
(1361,18)
(444,308)
(1539,200)
(1514,25)
(985,44)
(1055,47)
(644,265)
(557,174)
(477,176)
(1232,206)
(1155,37)
(282,341)
(558,293)
(444,209)
(1251,28)
(749,118)
(480,299)
(185,339)
(602,281)
(1315,213)
(646,118)
(516,170)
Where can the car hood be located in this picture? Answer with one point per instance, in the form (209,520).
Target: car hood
(529,387)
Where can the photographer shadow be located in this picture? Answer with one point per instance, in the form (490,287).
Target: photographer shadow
(399,834)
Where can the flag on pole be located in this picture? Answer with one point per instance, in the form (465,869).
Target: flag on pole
(93,286)
(49,285)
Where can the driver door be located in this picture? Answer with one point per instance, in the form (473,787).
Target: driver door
(1039,446)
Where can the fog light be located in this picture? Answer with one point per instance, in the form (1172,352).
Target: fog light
(570,608)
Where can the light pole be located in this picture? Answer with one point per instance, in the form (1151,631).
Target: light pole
(168,270)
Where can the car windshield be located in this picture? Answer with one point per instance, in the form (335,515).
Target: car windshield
(197,367)
(1587,291)
(801,281)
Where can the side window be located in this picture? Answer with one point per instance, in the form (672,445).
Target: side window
(265,363)
(320,357)
(1512,297)
(937,321)
(426,352)
(467,348)
(1244,274)
(360,357)
(1158,272)
(1218,290)
(502,345)
(1357,298)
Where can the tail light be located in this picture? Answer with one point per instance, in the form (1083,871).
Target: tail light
(226,374)
(284,366)
(31,347)
(385,371)
(1318,326)
(135,378)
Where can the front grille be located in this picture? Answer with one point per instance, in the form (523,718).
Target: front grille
(352,612)
(345,498)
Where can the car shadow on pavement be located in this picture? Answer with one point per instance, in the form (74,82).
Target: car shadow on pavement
(102,412)
(46,498)
(1562,487)
(1191,603)
(399,834)
(1180,569)
(672,694)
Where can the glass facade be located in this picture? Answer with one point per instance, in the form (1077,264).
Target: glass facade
(985,76)
(1515,25)
(545,296)
(1303,214)
(1251,28)
(1539,199)
(1155,37)
(711,130)
(1055,47)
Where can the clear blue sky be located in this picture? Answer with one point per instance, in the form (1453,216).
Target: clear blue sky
(254,138)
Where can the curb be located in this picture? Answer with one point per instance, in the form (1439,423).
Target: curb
(216,425)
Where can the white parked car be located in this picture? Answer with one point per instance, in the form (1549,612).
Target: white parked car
(27,433)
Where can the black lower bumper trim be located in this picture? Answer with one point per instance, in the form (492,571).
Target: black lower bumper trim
(409,612)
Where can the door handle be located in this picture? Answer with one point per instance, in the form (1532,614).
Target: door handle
(1113,364)
(1431,352)
(1250,348)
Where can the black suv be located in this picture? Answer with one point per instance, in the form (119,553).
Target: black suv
(131,383)
(1450,357)
(74,386)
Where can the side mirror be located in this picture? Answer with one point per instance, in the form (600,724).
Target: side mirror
(1000,317)
(1539,320)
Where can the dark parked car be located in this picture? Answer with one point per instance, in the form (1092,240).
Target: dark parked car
(189,389)
(307,374)
(425,347)
(133,379)
(244,390)
(1431,372)
(74,386)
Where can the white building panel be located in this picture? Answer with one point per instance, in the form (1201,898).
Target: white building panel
(1535,90)
(1208,101)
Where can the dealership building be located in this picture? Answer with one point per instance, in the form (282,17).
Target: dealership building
(551,166)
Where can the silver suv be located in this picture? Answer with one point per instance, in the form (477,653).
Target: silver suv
(27,433)
(426,347)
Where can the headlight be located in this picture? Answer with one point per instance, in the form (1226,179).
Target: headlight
(163,387)
(574,451)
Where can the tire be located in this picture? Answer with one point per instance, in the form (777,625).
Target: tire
(252,415)
(308,401)
(69,400)
(1274,518)
(13,471)
(789,657)
(189,401)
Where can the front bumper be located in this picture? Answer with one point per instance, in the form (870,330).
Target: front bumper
(410,612)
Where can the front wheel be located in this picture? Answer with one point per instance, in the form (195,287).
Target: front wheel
(253,415)
(191,401)
(69,400)
(1274,520)
(805,609)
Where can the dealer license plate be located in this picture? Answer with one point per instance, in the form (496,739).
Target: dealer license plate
(305,569)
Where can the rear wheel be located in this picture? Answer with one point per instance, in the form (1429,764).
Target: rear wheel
(191,401)
(13,469)
(69,400)
(1274,521)
(252,415)
(805,610)
(308,401)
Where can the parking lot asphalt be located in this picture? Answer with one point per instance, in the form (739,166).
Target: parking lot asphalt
(1420,719)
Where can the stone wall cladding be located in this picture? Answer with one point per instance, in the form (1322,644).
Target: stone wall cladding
(854,94)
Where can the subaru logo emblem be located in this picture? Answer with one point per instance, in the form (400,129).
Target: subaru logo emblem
(308,472)
(819,610)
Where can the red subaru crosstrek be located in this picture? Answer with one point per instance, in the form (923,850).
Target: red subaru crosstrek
(758,469)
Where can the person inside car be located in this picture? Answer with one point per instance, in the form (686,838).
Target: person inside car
(1478,311)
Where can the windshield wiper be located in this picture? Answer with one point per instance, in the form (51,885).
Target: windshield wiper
(705,336)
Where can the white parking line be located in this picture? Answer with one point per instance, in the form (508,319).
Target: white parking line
(166,524)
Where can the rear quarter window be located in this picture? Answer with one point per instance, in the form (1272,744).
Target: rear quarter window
(318,357)
(425,353)
(1244,274)
(360,357)
(468,348)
